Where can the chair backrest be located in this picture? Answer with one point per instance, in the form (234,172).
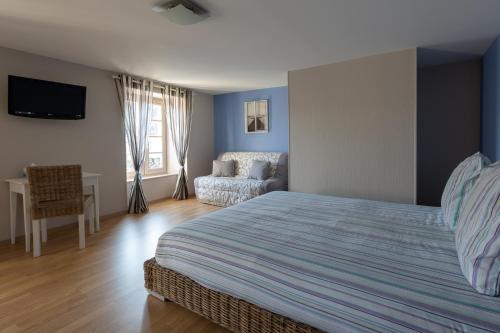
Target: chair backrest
(243,162)
(55,190)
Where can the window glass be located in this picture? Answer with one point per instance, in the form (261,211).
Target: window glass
(155,161)
(157,112)
(156,148)
(155,144)
(156,128)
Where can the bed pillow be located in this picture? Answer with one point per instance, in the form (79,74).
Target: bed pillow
(223,168)
(259,170)
(455,189)
(478,232)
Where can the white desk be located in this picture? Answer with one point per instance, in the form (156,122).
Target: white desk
(21,186)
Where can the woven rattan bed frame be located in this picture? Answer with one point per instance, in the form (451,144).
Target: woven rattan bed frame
(229,312)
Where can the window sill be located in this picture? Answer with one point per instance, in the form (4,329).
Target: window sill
(152,177)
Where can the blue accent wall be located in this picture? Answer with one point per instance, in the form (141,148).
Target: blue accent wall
(490,113)
(229,122)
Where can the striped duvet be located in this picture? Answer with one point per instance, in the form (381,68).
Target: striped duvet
(341,265)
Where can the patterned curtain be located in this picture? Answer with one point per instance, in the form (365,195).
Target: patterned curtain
(136,99)
(179,109)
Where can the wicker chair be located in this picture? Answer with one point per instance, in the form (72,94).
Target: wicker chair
(57,191)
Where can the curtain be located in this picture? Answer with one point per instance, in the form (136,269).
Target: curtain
(136,101)
(179,109)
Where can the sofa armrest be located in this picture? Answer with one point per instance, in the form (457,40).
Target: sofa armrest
(275,184)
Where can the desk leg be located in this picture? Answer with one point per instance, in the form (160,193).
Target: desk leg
(27,218)
(96,206)
(37,247)
(44,230)
(13,217)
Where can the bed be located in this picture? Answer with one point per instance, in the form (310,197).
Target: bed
(294,262)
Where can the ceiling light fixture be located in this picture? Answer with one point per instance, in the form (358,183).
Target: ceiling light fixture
(182,12)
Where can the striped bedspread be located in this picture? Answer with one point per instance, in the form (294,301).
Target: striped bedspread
(340,265)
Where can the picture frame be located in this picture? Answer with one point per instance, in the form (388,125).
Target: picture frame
(256,116)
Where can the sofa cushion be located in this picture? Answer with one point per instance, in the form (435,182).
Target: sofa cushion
(223,168)
(259,170)
(243,162)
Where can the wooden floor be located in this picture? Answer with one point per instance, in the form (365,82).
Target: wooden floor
(100,288)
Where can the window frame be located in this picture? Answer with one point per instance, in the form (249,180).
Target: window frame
(145,171)
(155,172)
(252,109)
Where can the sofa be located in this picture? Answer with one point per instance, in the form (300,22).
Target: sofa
(228,191)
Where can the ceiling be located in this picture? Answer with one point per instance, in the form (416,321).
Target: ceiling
(245,44)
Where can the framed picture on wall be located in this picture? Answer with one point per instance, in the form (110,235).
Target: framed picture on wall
(256,116)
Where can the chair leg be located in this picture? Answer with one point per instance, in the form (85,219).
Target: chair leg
(81,230)
(90,211)
(37,248)
(44,230)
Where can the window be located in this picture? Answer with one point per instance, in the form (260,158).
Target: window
(155,160)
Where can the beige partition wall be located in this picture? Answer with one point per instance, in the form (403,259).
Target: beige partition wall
(353,128)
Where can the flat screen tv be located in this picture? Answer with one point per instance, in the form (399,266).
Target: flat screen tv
(45,99)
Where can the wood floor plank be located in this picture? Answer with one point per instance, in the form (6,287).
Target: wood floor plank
(99,288)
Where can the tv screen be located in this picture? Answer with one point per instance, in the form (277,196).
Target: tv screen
(45,99)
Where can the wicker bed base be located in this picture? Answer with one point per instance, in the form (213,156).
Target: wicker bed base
(229,312)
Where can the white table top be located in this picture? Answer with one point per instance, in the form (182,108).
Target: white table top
(24,180)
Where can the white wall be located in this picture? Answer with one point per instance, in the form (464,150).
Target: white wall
(352,128)
(97,142)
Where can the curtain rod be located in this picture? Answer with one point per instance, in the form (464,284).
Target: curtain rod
(156,84)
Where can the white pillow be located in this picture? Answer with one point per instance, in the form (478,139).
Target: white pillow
(477,235)
(223,168)
(455,188)
(259,170)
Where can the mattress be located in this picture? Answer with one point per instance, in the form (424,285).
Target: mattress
(337,264)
